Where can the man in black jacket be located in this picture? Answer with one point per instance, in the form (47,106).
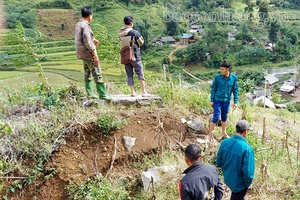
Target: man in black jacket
(202,181)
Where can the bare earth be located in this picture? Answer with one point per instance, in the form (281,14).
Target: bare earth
(87,152)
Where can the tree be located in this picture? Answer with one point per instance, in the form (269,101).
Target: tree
(126,2)
(282,51)
(249,8)
(217,58)
(23,14)
(144,30)
(180,54)
(247,85)
(273,31)
(291,34)
(109,48)
(196,52)
(192,3)
(172,28)
(251,55)
(245,37)
(263,10)
(23,50)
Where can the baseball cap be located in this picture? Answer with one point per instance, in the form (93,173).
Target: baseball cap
(242,125)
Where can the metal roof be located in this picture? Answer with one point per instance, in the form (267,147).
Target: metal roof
(167,39)
(271,79)
(287,86)
(185,36)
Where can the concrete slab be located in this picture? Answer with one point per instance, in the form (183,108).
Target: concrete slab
(125,100)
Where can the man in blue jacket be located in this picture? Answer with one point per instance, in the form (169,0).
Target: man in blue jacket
(224,85)
(236,159)
(202,181)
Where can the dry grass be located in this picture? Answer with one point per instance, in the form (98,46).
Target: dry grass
(50,25)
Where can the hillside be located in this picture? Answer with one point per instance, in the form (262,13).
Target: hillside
(59,149)
(57,28)
(54,146)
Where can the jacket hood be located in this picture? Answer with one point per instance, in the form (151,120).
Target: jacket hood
(124,31)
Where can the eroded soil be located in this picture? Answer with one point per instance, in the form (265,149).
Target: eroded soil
(87,152)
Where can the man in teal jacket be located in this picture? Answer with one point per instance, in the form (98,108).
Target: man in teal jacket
(236,159)
(224,85)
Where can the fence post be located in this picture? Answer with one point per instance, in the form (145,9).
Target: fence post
(264,131)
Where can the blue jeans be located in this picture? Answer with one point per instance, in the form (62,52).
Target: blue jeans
(220,111)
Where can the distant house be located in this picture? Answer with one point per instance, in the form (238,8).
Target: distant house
(265,101)
(193,31)
(269,46)
(230,36)
(271,79)
(195,27)
(156,42)
(186,38)
(208,56)
(288,87)
(265,39)
(168,39)
(259,93)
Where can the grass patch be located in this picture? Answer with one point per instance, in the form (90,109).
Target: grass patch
(10,74)
(30,78)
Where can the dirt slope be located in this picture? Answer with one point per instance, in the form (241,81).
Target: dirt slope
(87,152)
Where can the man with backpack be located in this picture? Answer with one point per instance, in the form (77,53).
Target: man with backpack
(85,44)
(135,63)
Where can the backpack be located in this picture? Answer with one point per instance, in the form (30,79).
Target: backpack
(127,49)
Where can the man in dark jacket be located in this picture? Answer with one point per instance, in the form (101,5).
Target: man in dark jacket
(202,181)
(134,66)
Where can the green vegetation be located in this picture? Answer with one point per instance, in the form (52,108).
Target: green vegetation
(49,131)
(109,122)
(100,188)
(41,85)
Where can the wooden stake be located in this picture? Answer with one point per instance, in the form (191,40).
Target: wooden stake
(298,150)
(264,131)
(113,157)
(288,152)
(275,150)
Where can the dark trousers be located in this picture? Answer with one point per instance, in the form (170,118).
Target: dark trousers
(239,195)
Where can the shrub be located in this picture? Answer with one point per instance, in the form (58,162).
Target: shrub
(23,14)
(54,4)
(153,65)
(99,188)
(251,55)
(109,122)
